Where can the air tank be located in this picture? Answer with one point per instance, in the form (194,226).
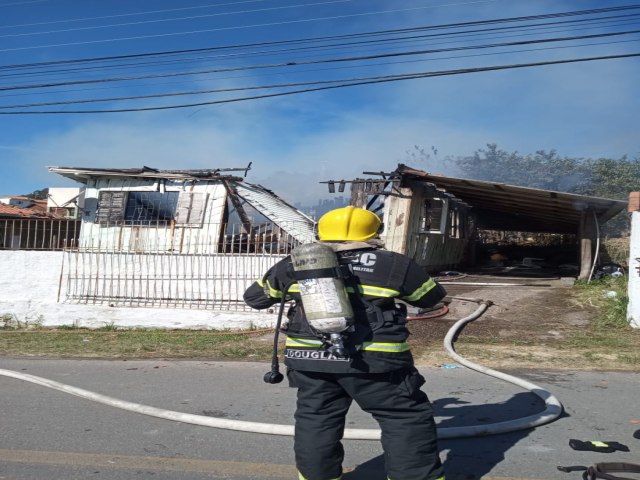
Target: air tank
(325,299)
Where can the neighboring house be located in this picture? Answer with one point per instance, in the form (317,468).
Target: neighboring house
(25,203)
(65,202)
(26,224)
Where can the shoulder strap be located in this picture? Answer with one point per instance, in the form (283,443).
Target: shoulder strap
(342,271)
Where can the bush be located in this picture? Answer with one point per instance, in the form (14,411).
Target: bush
(616,250)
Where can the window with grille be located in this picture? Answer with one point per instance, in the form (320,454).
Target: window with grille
(150,208)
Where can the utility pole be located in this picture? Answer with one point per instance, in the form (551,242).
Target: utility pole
(633,309)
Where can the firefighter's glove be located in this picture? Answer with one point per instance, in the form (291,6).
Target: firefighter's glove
(597,446)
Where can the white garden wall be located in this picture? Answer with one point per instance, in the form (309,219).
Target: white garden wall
(30,286)
(633,311)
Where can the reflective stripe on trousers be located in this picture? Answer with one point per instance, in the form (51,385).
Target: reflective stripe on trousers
(439,478)
(302,477)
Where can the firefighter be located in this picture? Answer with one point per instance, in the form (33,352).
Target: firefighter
(377,370)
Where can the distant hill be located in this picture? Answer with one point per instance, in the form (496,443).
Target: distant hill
(38,194)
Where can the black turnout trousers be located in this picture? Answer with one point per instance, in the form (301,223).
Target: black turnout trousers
(394,399)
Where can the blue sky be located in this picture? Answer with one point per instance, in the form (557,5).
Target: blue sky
(581,110)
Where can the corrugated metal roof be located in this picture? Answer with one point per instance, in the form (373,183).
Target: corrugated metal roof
(290,219)
(509,207)
(82,174)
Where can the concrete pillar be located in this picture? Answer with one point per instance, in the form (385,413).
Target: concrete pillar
(633,309)
(587,236)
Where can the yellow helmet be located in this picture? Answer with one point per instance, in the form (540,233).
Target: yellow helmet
(348,224)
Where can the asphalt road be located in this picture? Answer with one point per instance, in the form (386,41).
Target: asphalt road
(46,434)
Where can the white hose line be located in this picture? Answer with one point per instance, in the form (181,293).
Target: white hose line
(553,406)
(554,409)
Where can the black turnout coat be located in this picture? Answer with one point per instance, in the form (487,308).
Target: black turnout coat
(378,340)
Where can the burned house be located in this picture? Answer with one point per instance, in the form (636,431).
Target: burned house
(177,238)
(183,211)
(446,223)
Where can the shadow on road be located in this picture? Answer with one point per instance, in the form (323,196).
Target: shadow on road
(467,458)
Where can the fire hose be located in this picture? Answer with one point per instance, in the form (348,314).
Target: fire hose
(553,408)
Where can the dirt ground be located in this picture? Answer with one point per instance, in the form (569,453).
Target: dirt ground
(531,324)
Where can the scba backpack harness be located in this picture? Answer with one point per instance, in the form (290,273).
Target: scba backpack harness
(324,298)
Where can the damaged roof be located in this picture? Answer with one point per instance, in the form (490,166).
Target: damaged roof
(499,206)
(82,174)
(287,217)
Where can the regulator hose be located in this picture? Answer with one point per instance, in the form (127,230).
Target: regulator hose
(552,411)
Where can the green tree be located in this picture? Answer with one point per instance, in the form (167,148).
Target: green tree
(602,177)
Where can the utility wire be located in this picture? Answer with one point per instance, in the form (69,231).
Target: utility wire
(22,3)
(390,78)
(240,27)
(533,29)
(103,17)
(238,89)
(388,46)
(315,70)
(176,19)
(336,37)
(313,62)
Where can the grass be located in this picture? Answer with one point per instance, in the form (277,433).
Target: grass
(606,343)
(609,334)
(109,342)
(610,328)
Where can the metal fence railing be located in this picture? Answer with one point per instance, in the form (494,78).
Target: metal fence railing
(206,238)
(149,237)
(208,266)
(124,279)
(39,234)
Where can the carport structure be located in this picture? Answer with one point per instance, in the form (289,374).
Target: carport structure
(498,206)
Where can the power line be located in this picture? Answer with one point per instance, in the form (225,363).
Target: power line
(237,89)
(313,62)
(22,3)
(357,67)
(240,27)
(161,20)
(533,29)
(148,12)
(387,79)
(333,37)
